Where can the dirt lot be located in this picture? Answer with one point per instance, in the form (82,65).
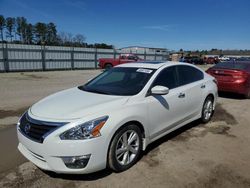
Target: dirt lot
(213,155)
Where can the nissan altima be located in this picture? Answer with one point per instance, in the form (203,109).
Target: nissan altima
(109,121)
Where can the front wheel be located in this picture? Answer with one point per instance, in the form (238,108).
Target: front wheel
(207,110)
(125,148)
(108,66)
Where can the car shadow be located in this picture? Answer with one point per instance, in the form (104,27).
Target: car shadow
(162,100)
(229,95)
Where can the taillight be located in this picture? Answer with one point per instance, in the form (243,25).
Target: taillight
(240,76)
(237,76)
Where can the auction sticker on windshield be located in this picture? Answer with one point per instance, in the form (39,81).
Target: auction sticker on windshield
(148,71)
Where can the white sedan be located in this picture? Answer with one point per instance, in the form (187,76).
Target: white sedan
(110,120)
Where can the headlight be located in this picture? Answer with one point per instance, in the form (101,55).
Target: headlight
(19,120)
(90,129)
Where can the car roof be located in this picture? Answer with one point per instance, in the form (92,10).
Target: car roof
(149,64)
(237,62)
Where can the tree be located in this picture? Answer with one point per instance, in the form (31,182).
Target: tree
(51,33)
(79,39)
(2,25)
(103,45)
(10,24)
(65,38)
(41,33)
(21,26)
(40,30)
(29,34)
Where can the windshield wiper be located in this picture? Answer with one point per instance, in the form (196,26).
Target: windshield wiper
(100,92)
(94,90)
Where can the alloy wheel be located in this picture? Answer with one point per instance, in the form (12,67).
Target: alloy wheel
(127,147)
(208,110)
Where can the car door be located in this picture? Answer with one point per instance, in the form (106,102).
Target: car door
(191,84)
(128,59)
(165,111)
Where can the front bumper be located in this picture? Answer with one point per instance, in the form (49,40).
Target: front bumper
(47,155)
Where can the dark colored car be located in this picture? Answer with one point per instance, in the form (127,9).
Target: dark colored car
(211,60)
(243,59)
(232,76)
(194,60)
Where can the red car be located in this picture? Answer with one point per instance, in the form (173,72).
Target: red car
(106,63)
(232,77)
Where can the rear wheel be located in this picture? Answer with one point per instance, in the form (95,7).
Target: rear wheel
(207,110)
(125,148)
(108,66)
(247,95)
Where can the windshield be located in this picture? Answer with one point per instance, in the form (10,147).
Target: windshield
(232,65)
(119,81)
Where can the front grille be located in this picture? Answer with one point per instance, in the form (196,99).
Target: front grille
(36,130)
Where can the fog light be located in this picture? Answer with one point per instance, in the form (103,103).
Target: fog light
(76,162)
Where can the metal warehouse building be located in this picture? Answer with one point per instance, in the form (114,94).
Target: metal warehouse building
(142,49)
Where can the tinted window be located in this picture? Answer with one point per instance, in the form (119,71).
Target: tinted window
(232,65)
(113,77)
(167,78)
(188,74)
(119,81)
(132,57)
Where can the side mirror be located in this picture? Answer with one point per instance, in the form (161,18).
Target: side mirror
(159,90)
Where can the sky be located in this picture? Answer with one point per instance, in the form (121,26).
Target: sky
(172,24)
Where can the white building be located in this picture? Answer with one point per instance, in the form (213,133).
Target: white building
(142,49)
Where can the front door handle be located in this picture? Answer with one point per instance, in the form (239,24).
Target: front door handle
(181,95)
(203,86)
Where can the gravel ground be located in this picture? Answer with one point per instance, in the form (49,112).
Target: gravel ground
(211,155)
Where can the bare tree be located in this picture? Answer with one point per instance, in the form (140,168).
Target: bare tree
(29,34)
(10,24)
(65,38)
(79,39)
(21,26)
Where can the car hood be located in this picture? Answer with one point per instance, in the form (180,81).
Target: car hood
(74,104)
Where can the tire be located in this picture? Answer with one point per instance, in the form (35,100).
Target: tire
(121,156)
(247,95)
(207,110)
(108,66)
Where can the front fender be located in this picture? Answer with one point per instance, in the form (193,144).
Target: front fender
(118,119)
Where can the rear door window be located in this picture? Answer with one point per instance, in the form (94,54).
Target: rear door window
(188,74)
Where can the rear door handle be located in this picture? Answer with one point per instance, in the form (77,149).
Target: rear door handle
(203,86)
(181,95)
